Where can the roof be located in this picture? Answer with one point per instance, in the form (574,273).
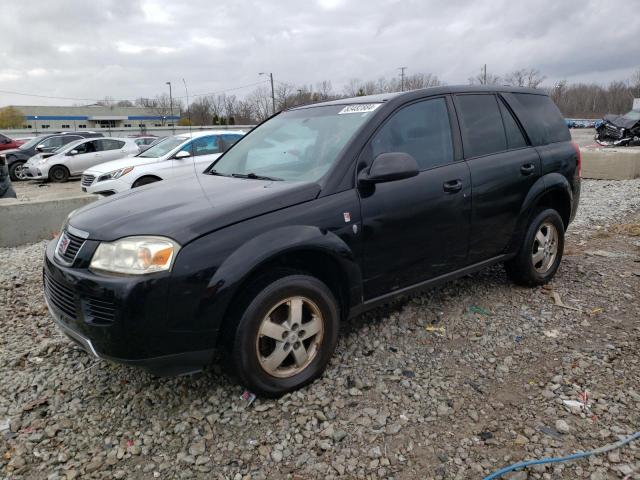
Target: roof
(385,97)
(92,112)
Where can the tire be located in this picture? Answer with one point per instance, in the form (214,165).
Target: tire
(541,251)
(58,174)
(14,171)
(251,355)
(145,181)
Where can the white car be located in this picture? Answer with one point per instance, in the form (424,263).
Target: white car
(175,156)
(75,157)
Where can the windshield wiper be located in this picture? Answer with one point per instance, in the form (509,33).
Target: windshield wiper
(254,176)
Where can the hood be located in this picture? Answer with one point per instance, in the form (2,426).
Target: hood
(187,208)
(10,150)
(621,121)
(121,163)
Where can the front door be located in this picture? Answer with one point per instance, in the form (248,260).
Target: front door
(417,228)
(89,154)
(203,150)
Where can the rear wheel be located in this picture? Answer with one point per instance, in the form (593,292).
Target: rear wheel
(16,171)
(541,251)
(58,174)
(286,334)
(145,181)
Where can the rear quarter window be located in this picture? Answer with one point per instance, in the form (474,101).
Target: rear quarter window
(545,123)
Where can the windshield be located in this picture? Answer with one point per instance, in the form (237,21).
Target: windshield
(633,115)
(31,143)
(298,145)
(162,148)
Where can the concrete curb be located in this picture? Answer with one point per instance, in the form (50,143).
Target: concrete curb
(29,222)
(611,163)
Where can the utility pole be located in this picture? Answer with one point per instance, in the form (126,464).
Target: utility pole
(402,69)
(171,106)
(484,74)
(273,92)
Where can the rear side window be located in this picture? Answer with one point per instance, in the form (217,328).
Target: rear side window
(515,138)
(480,125)
(110,144)
(422,130)
(547,120)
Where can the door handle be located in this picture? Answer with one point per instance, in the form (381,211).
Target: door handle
(527,168)
(452,186)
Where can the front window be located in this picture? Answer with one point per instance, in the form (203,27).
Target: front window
(298,145)
(162,148)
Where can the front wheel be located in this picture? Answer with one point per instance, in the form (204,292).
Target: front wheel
(540,252)
(286,335)
(17,171)
(58,174)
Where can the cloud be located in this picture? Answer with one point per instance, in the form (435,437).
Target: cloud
(75,48)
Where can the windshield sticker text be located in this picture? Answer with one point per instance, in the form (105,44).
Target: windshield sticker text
(359,108)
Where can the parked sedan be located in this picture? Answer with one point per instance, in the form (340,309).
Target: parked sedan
(45,145)
(7,143)
(174,156)
(74,158)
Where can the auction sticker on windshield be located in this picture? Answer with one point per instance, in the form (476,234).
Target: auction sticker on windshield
(359,108)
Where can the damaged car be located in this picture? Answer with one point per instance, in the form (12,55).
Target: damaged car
(619,130)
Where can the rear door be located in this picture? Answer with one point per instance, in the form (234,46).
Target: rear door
(503,167)
(417,228)
(112,149)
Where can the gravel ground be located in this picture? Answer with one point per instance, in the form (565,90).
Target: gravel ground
(453,383)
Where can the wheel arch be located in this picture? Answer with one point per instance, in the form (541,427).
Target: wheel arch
(304,249)
(550,191)
(156,178)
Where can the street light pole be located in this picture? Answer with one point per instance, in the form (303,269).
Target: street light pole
(273,92)
(171,106)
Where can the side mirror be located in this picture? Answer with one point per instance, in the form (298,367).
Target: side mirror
(182,154)
(388,167)
(73,152)
(40,148)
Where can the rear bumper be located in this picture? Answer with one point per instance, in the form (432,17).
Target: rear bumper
(137,334)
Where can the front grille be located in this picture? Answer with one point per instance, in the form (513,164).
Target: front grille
(87,180)
(68,246)
(613,131)
(99,311)
(61,296)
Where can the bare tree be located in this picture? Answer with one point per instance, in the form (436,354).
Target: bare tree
(525,77)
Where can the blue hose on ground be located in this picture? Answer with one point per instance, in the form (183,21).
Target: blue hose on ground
(575,456)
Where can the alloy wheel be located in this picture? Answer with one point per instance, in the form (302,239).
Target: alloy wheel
(545,247)
(289,337)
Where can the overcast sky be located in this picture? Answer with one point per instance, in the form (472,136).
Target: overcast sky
(127,49)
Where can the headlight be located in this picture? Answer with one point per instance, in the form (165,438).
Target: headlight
(135,255)
(115,174)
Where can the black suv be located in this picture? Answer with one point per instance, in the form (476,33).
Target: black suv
(319,213)
(45,144)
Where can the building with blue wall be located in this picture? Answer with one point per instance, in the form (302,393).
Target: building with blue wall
(95,117)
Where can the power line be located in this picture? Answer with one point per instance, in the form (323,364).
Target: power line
(53,97)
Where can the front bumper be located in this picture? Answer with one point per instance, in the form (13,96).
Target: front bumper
(104,187)
(36,172)
(120,318)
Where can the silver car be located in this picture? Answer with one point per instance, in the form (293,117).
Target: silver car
(75,157)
